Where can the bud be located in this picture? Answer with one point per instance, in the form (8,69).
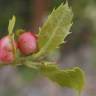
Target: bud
(7,50)
(27,43)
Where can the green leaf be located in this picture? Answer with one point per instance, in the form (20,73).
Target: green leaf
(26,73)
(72,78)
(11,25)
(55,29)
(19,31)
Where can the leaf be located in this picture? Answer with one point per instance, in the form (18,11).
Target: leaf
(72,78)
(19,31)
(11,25)
(55,29)
(26,73)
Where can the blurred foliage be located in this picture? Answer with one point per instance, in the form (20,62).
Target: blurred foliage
(21,8)
(27,74)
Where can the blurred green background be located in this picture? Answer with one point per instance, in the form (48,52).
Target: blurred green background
(79,50)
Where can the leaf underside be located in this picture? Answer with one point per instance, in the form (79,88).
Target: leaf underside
(72,78)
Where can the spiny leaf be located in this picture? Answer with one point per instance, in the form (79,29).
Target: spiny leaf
(11,25)
(55,29)
(72,78)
